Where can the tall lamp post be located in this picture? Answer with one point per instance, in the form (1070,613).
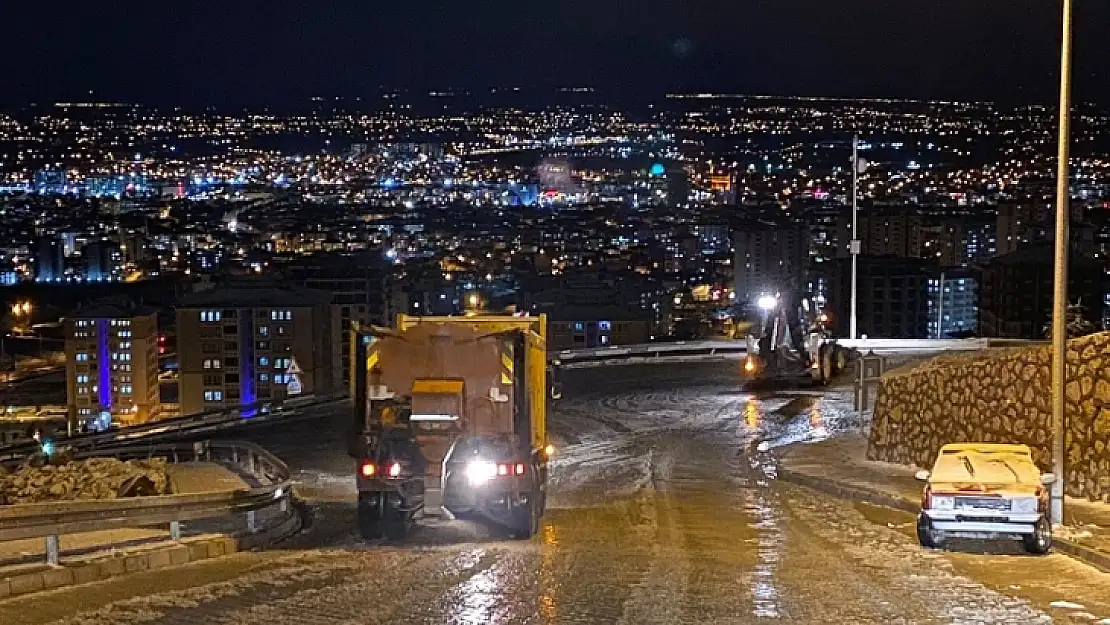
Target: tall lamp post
(855,246)
(1060,292)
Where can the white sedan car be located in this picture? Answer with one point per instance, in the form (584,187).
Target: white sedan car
(981,490)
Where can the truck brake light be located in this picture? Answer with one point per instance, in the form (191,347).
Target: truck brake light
(502,470)
(518,469)
(395,469)
(368,469)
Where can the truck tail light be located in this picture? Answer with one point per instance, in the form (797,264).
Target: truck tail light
(395,469)
(502,470)
(368,469)
(518,469)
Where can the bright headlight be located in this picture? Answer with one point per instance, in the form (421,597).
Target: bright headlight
(943,502)
(479,472)
(1024,505)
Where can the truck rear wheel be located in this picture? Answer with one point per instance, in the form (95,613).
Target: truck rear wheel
(526,518)
(369,515)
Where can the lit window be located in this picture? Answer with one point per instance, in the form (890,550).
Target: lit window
(210,315)
(213,395)
(264,361)
(82,357)
(83,379)
(263,331)
(126,389)
(263,377)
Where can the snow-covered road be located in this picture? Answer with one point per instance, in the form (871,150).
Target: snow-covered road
(664,508)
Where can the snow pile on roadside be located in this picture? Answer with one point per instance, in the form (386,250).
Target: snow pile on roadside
(97,478)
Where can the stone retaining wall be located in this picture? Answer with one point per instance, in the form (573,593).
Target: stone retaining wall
(1000,396)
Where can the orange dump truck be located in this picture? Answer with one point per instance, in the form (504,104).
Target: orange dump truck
(449,421)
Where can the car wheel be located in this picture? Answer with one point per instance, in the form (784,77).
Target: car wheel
(926,535)
(1040,541)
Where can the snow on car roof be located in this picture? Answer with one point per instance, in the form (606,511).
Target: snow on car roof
(985,464)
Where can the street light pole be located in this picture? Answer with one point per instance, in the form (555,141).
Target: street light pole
(1060,292)
(855,233)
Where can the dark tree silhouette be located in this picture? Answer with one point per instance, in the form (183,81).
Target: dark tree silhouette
(1077,324)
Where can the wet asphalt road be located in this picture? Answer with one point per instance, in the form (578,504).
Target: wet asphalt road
(662,510)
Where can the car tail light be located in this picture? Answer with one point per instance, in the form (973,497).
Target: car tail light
(927,498)
(395,469)
(368,469)
(518,469)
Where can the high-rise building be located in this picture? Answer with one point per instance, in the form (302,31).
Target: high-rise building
(50,181)
(359,285)
(678,186)
(49,260)
(712,237)
(1013,222)
(883,233)
(769,258)
(953,304)
(982,241)
(243,344)
(1016,292)
(892,295)
(103,261)
(112,365)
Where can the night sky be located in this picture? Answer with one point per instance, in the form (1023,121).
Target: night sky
(281,52)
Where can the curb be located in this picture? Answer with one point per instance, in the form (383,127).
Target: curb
(37,578)
(1098,559)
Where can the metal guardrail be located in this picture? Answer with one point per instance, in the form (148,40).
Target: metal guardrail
(168,429)
(691,350)
(272,486)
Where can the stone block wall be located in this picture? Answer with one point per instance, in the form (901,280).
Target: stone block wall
(1000,396)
